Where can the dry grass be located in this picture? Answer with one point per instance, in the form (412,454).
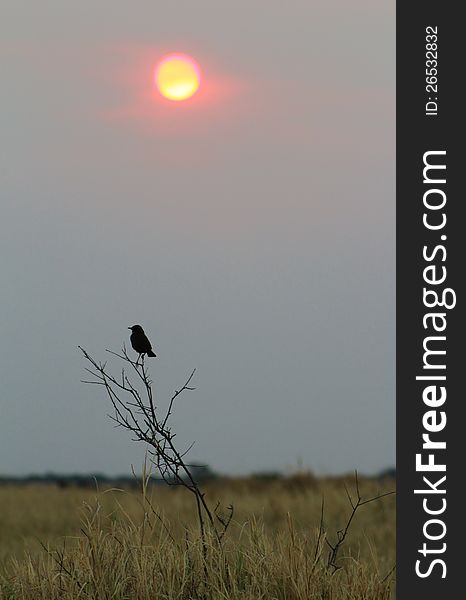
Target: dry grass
(113,544)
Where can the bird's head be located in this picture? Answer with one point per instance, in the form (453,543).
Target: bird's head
(135,328)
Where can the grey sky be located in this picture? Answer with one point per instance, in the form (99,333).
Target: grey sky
(251,233)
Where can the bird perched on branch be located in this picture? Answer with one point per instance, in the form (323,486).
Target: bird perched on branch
(140,342)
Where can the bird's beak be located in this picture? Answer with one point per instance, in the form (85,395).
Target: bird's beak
(129,327)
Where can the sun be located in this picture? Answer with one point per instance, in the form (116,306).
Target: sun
(177,76)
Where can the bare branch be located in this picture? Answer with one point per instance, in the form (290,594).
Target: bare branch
(135,411)
(342,533)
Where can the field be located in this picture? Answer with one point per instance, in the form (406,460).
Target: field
(79,543)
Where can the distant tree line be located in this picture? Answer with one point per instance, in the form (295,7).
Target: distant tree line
(89,480)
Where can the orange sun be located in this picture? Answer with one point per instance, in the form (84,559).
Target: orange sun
(177,76)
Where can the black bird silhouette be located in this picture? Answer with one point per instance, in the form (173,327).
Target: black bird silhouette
(140,342)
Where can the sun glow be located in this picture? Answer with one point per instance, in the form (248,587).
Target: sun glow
(177,77)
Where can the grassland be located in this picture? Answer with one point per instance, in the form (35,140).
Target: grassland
(115,544)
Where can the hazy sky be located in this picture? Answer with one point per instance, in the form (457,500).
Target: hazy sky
(250,231)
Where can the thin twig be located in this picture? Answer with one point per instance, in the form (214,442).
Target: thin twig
(135,411)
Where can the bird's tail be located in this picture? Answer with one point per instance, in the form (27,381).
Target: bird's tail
(150,353)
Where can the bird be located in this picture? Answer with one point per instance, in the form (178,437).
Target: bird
(139,341)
